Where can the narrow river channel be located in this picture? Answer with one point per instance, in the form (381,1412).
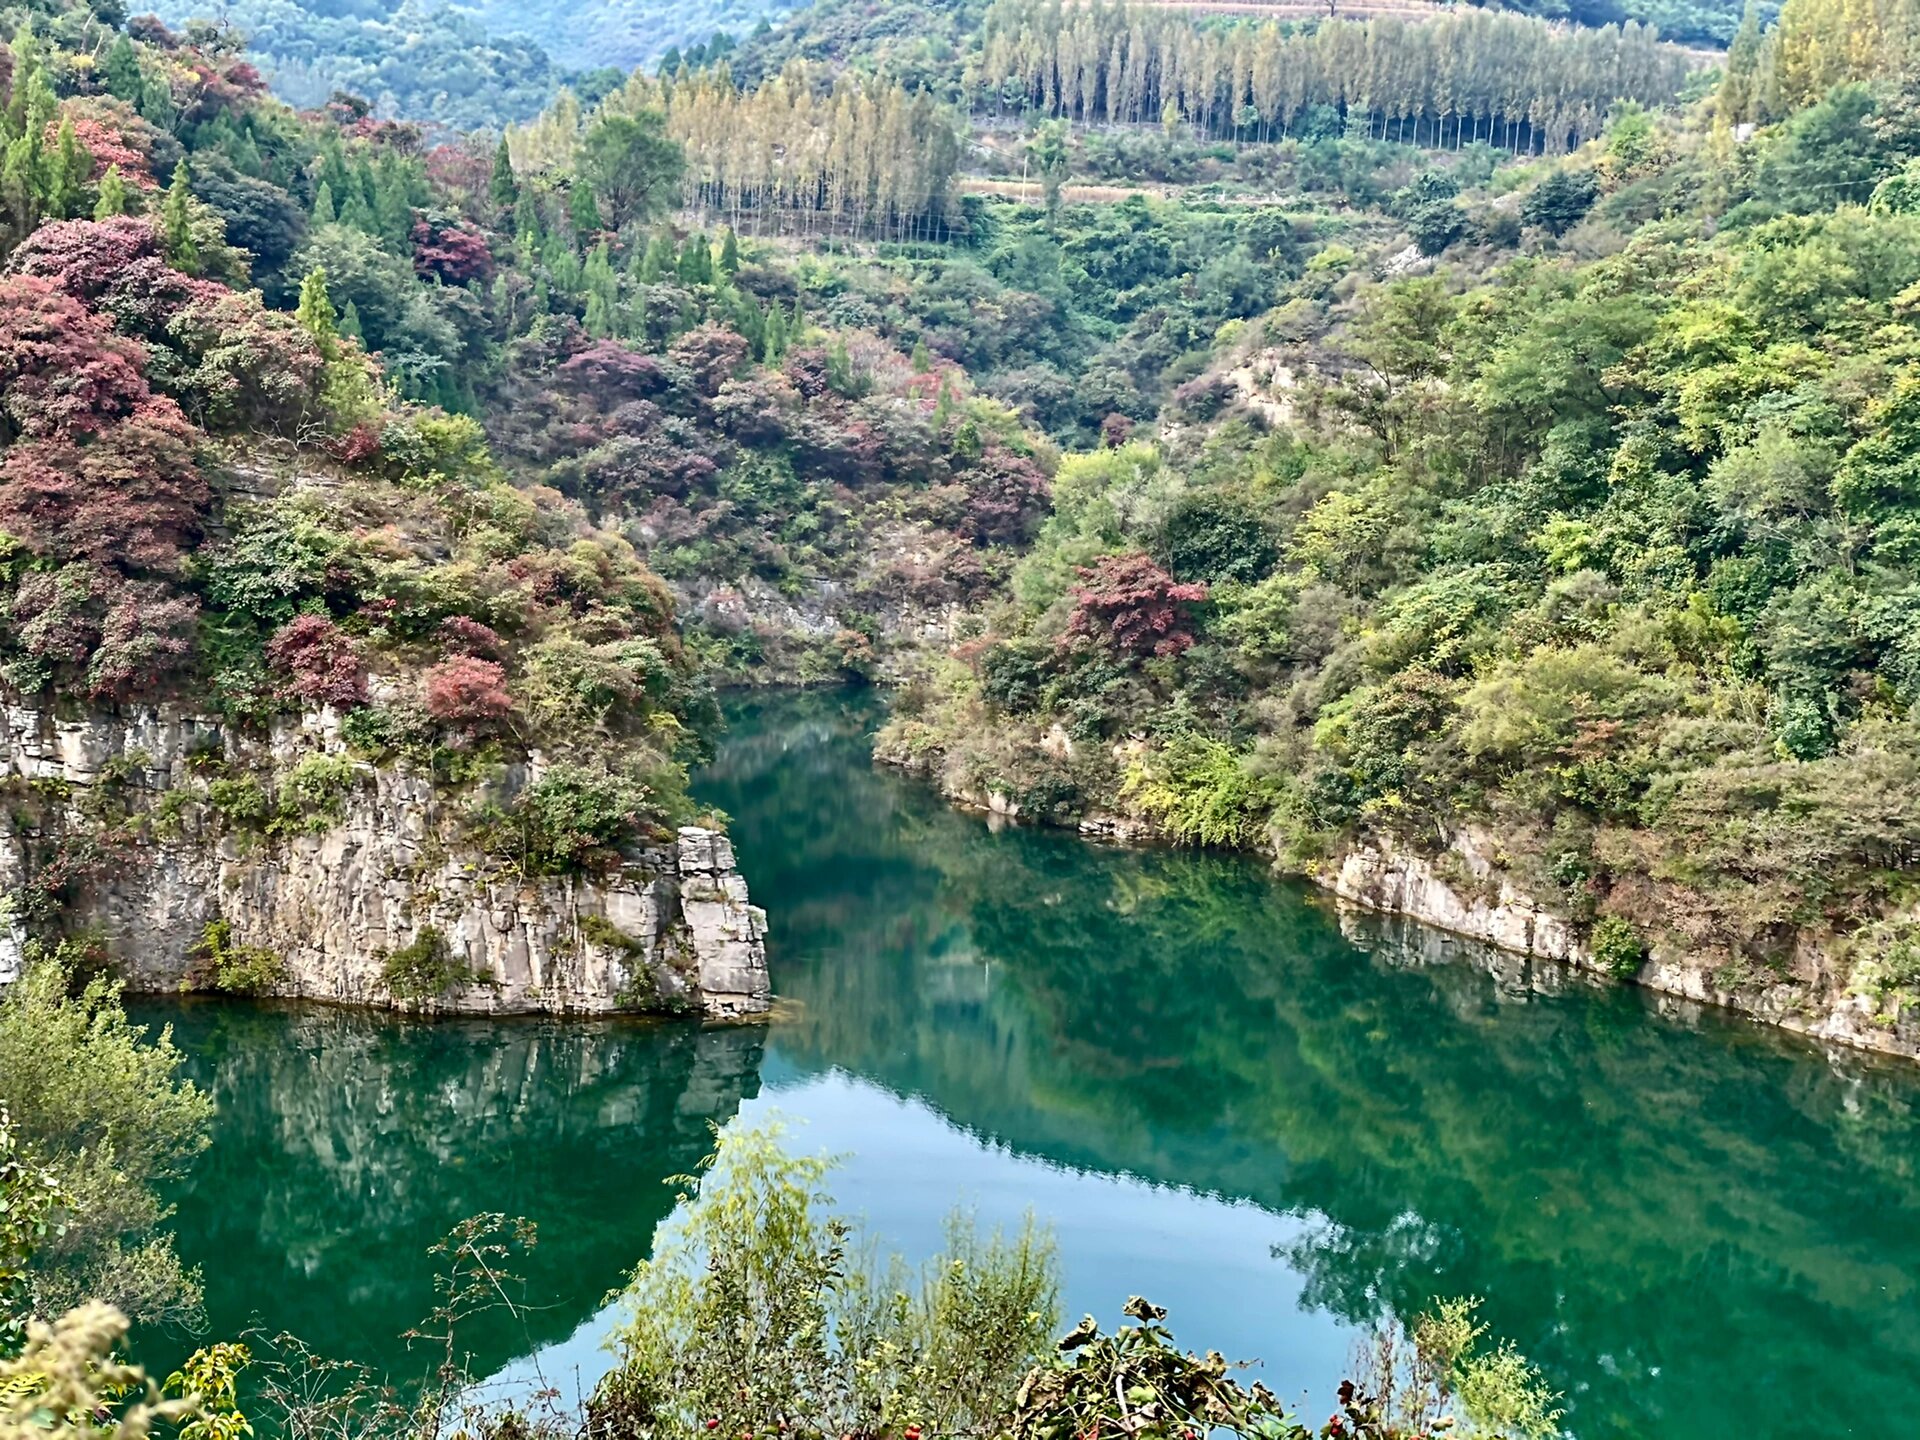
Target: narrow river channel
(1276,1120)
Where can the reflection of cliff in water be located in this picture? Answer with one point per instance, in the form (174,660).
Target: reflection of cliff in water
(358,1140)
(1640,1196)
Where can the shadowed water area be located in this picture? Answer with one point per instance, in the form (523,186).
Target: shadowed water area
(1278,1121)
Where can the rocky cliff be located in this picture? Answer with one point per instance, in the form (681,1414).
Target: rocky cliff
(1464,891)
(117,824)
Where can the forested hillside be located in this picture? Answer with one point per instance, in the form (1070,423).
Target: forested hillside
(1476,424)
(1461,440)
(1579,520)
(471,67)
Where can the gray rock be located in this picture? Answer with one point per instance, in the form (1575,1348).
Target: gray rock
(333,904)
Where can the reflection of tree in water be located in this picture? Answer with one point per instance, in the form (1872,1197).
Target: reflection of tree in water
(1706,1199)
(357,1141)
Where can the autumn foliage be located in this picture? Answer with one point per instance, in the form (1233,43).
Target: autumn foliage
(466,690)
(1131,605)
(64,373)
(101,468)
(317,662)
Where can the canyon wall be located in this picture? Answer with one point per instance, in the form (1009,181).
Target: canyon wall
(116,809)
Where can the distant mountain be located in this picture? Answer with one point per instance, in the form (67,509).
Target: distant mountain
(471,67)
(623,33)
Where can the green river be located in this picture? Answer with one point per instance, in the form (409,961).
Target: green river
(1279,1121)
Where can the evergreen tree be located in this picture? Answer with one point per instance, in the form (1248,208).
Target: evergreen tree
(156,105)
(346,389)
(333,170)
(1738,98)
(20,183)
(502,187)
(730,255)
(68,174)
(661,258)
(176,223)
(124,81)
(776,337)
(583,211)
(840,367)
(350,325)
(696,262)
(323,211)
(315,313)
(115,197)
(392,201)
(529,224)
(26,69)
(603,292)
(245,154)
(357,213)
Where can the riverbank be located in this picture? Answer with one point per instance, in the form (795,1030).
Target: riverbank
(1279,1118)
(1464,888)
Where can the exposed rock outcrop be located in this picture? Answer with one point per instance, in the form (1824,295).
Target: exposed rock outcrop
(1479,902)
(1465,893)
(386,862)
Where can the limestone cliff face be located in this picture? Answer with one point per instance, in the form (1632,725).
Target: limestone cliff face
(1465,892)
(671,927)
(1477,901)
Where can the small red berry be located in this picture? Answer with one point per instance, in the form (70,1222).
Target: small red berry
(713,1424)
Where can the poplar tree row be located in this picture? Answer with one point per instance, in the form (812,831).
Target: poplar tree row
(852,153)
(1816,45)
(1466,75)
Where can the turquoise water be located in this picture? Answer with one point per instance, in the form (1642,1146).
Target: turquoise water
(1280,1123)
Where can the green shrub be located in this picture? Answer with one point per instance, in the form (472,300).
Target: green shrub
(574,819)
(1201,792)
(100,1103)
(239,801)
(373,731)
(219,964)
(1013,677)
(425,968)
(598,930)
(1616,947)
(757,1278)
(313,795)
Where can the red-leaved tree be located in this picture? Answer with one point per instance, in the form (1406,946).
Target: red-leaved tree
(130,496)
(1006,498)
(64,373)
(86,257)
(1129,604)
(454,252)
(115,637)
(465,636)
(466,690)
(316,661)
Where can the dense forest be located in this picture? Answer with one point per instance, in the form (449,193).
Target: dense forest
(1451,80)
(470,67)
(1482,435)
(1597,544)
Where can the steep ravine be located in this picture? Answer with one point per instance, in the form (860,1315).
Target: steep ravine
(113,809)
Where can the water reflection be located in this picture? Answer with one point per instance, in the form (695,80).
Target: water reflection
(1695,1224)
(1222,1093)
(348,1143)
